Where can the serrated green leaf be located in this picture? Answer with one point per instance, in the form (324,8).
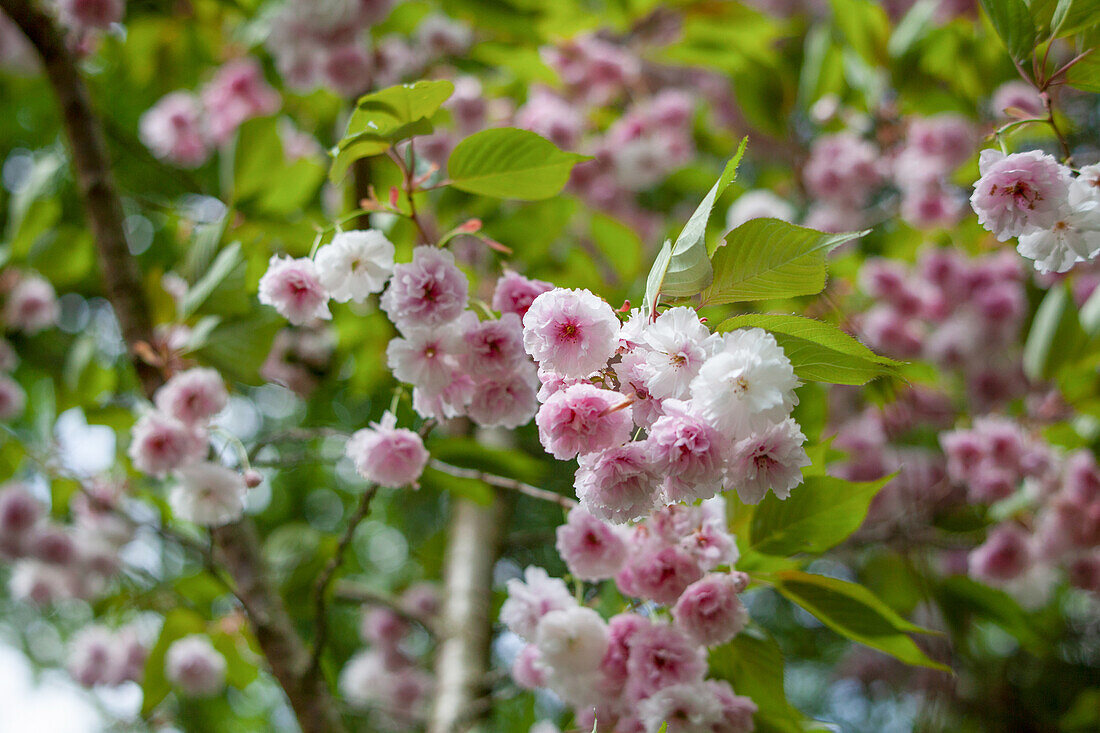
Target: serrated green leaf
(509,163)
(819,351)
(818,515)
(1015,26)
(769,258)
(683,269)
(855,613)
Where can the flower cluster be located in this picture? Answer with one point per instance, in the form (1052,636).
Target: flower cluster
(54,561)
(174,438)
(99,656)
(1031,196)
(845,171)
(635,672)
(183,128)
(961,314)
(386,677)
(329,45)
(996,460)
(715,407)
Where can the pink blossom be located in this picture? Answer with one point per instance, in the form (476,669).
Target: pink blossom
(208,494)
(383,627)
(494,348)
(193,396)
(528,670)
(772,459)
(758,204)
(439,35)
(591,549)
(1018,94)
(31,305)
(388,455)
(737,710)
(451,401)
(582,419)
(709,610)
(930,207)
(842,168)
(572,640)
(618,484)
(662,656)
(571,332)
(658,573)
(160,443)
(1019,193)
(429,291)
(506,401)
(238,92)
(90,655)
(552,117)
(621,630)
(52,544)
(688,451)
(677,344)
(19,515)
(347,69)
(82,15)
(948,138)
(13,400)
(551,383)
(468,104)
(683,708)
(293,288)
(532,598)
(195,667)
(427,357)
(1006,554)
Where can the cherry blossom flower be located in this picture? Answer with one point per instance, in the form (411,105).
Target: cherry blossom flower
(293,287)
(618,484)
(208,494)
(194,666)
(772,459)
(388,455)
(1019,193)
(582,418)
(429,291)
(161,443)
(591,549)
(355,264)
(571,332)
(193,396)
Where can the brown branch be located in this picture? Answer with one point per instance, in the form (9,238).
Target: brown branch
(237,545)
(502,482)
(324,580)
(121,276)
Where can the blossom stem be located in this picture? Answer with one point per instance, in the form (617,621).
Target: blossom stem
(324,580)
(502,482)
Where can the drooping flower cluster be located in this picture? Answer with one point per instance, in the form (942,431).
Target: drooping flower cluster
(183,128)
(174,439)
(715,407)
(99,656)
(635,672)
(996,460)
(961,314)
(52,561)
(386,677)
(1031,196)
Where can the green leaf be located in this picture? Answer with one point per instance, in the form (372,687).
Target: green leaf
(1055,337)
(509,163)
(865,25)
(228,266)
(1014,24)
(683,269)
(387,117)
(384,113)
(753,664)
(769,258)
(820,352)
(963,600)
(855,613)
(1074,16)
(818,515)
(238,348)
(178,623)
(1085,74)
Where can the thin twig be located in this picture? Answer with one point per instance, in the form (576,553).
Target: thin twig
(320,588)
(346,591)
(502,482)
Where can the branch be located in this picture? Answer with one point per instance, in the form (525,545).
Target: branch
(502,482)
(324,580)
(237,545)
(350,592)
(91,167)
